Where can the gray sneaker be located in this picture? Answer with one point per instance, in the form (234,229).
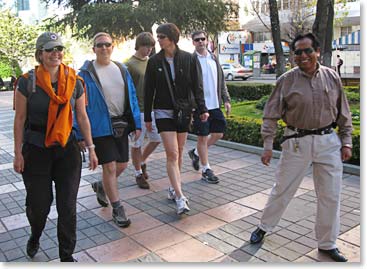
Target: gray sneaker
(171,194)
(101,195)
(119,217)
(182,205)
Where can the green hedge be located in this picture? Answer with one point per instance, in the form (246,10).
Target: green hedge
(246,130)
(248,91)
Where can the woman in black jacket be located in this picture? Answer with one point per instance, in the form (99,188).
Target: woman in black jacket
(178,70)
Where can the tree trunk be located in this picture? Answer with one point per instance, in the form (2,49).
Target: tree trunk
(275,32)
(323,29)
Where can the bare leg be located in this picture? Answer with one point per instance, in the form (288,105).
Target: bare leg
(171,146)
(149,148)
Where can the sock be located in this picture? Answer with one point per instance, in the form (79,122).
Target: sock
(116,204)
(138,172)
(142,163)
(196,152)
(205,167)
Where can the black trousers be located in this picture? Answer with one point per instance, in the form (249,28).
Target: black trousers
(41,167)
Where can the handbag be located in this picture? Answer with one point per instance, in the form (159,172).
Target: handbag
(118,126)
(182,111)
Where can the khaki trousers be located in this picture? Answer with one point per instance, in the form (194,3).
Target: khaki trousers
(323,153)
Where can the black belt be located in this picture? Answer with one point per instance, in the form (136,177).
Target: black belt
(303,132)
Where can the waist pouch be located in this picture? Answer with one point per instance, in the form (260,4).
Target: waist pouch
(118,126)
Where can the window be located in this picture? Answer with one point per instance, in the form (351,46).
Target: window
(23,5)
(345,30)
(262,36)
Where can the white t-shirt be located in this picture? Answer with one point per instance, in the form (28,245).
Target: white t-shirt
(113,87)
(210,80)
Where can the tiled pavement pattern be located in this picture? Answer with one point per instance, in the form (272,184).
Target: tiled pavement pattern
(217,228)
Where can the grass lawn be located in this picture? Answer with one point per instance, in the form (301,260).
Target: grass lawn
(248,109)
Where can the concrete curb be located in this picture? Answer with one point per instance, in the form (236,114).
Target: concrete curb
(348,168)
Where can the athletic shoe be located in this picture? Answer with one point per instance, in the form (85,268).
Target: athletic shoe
(144,169)
(171,194)
(195,159)
(142,182)
(182,205)
(119,217)
(208,176)
(101,195)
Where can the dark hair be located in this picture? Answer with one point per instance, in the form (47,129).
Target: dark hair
(195,33)
(170,30)
(311,36)
(144,39)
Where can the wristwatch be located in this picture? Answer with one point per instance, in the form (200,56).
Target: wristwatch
(347,146)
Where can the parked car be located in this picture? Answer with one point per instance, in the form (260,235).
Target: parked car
(232,71)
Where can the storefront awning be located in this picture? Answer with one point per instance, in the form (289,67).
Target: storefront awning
(351,39)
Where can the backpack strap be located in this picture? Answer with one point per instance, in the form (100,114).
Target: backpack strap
(31,84)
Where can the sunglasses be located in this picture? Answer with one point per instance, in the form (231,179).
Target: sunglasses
(200,39)
(161,36)
(58,48)
(308,51)
(106,44)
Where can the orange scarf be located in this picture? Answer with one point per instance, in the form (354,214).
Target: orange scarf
(58,126)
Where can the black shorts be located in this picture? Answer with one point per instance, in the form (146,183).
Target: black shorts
(216,123)
(109,149)
(170,125)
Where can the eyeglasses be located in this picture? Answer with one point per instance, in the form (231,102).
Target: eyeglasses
(308,51)
(161,36)
(200,39)
(58,48)
(100,45)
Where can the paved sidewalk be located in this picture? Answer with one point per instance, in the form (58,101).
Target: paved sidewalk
(217,228)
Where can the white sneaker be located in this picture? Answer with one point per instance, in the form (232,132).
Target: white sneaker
(171,194)
(182,205)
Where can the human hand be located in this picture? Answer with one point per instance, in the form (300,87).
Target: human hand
(266,157)
(93,160)
(346,153)
(137,134)
(148,125)
(227,106)
(204,117)
(18,163)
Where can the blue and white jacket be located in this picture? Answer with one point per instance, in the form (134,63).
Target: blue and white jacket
(97,109)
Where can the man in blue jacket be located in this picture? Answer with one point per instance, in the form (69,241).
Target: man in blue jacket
(113,112)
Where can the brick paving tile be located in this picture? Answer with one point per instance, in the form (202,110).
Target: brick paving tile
(298,247)
(15,221)
(287,254)
(230,212)
(140,222)
(191,250)
(153,239)
(256,201)
(353,236)
(216,243)
(197,224)
(117,251)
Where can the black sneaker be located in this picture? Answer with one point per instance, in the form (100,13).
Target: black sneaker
(208,176)
(195,159)
(101,195)
(119,217)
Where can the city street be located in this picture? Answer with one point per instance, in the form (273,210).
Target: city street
(217,229)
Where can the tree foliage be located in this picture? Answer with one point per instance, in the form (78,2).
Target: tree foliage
(17,40)
(123,18)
